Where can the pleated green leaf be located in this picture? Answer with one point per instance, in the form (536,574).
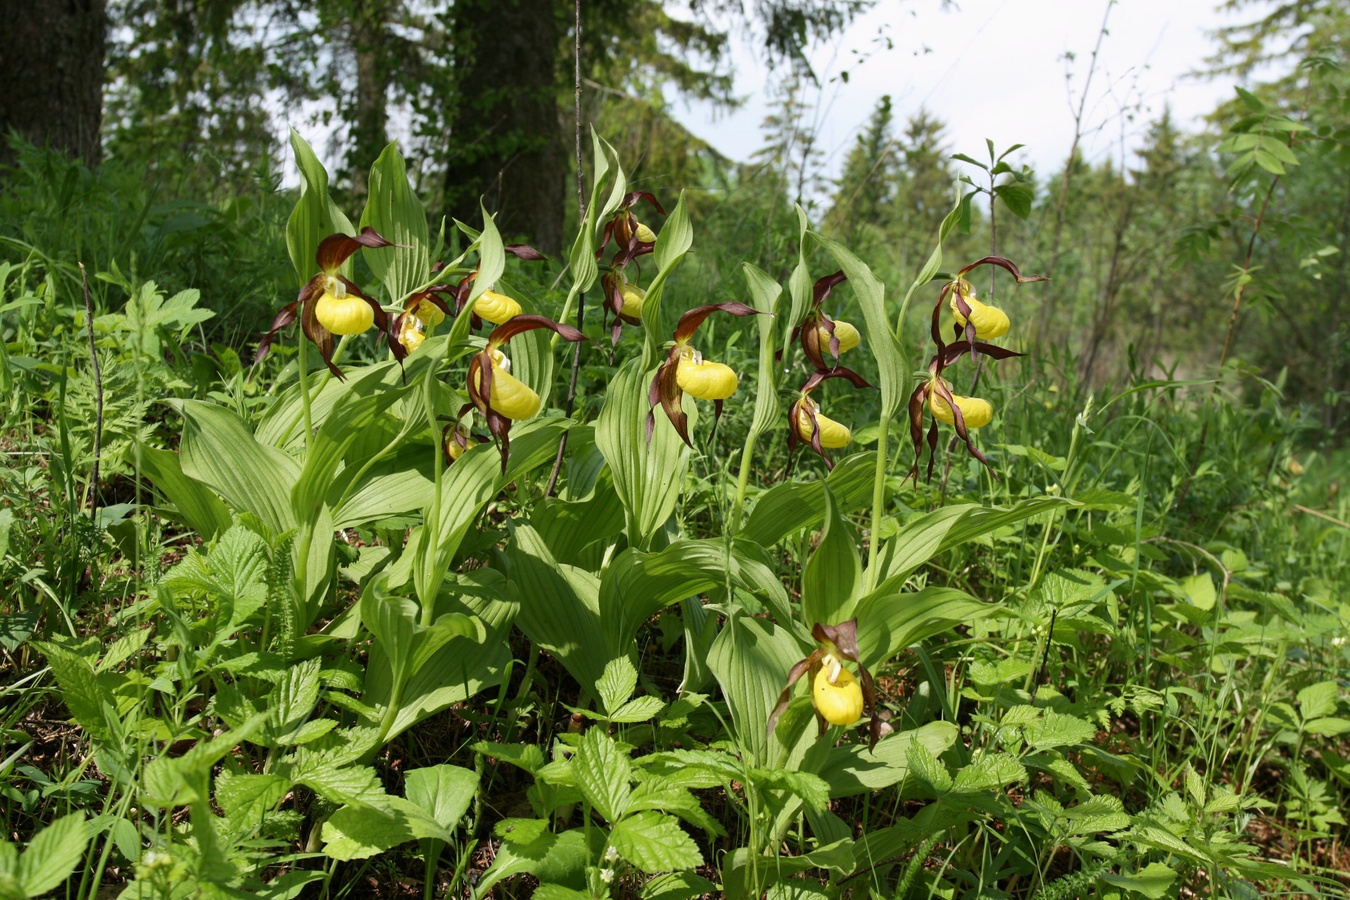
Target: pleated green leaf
(394,211)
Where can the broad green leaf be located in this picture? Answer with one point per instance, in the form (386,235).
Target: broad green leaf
(674,241)
(460,668)
(528,847)
(852,769)
(219,451)
(294,696)
(1153,881)
(559,606)
(394,211)
(789,507)
(647,476)
(655,843)
(637,585)
(764,294)
(617,683)
(1200,591)
(360,831)
(82,692)
(833,574)
(53,855)
(890,622)
(991,772)
(315,215)
(1052,729)
(246,798)
(602,774)
(443,792)
(194,505)
(751,659)
(678,886)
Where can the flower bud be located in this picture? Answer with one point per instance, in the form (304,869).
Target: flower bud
(496,308)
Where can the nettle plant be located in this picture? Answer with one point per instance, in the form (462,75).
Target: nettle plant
(382,541)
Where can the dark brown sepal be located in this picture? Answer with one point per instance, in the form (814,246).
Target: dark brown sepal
(335,249)
(1003,263)
(524,251)
(666,392)
(321,337)
(690,321)
(952,352)
(529,322)
(821,289)
(794,675)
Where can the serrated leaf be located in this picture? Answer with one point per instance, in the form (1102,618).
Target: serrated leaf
(655,843)
(677,886)
(1318,700)
(443,792)
(1153,881)
(1057,730)
(53,854)
(246,798)
(617,683)
(639,709)
(603,774)
(989,773)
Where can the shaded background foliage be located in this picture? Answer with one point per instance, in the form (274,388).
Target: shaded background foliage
(1143,252)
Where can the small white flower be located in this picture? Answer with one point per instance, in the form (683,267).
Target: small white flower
(606,875)
(611,854)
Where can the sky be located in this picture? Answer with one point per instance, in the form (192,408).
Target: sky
(996,69)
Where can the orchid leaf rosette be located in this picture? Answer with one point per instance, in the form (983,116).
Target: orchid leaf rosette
(838,695)
(685,371)
(499,396)
(330,303)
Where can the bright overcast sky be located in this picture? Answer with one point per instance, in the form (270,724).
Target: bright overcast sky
(996,69)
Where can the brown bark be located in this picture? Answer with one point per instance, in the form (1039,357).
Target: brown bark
(51,63)
(506,144)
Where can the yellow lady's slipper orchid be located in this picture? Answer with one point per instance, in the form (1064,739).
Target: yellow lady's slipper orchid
(976,412)
(990,321)
(839,696)
(836,694)
(416,323)
(704,379)
(833,435)
(496,308)
(633,298)
(644,234)
(848,336)
(340,312)
(510,396)
(331,304)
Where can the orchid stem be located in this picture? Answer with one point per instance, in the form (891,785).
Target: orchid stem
(303,365)
(878,508)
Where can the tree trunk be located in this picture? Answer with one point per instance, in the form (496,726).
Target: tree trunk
(506,145)
(369,24)
(51,62)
